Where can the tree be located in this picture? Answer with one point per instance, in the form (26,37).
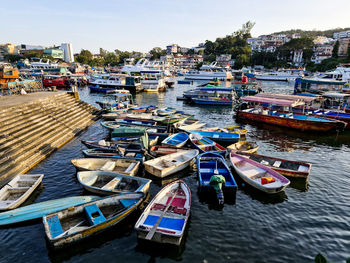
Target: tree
(157,52)
(335,49)
(12,58)
(85,56)
(111,59)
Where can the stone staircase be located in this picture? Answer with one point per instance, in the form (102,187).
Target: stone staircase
(30,132)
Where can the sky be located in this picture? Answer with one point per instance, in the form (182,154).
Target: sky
(140,25)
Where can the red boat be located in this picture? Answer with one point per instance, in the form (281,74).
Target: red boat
(289,120)
(57,81)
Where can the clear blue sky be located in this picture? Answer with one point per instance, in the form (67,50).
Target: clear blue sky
(141,25)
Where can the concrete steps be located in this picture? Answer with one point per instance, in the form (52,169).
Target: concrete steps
(31,131)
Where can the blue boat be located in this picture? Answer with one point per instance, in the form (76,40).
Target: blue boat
(229,137)
(209,164)
(97,88)
(103,154)
(177,139)
(38,210)
(213,101)
(136,122)
(204,144)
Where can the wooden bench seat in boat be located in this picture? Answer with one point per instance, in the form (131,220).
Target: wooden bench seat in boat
(108,166)
(55,226)
(166,222)
(94,214)
(130,167)
(111,184)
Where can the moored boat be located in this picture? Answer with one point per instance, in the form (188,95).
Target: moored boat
(211,164)
(218,136)
(97,153)
(165,218)
(285,167)
(204,144)
(244,146)
(177,139)
(79,222)
(15,192)
(38,210)
(122,166)
(158,150)
(169,164)
(258,175)
(108,183)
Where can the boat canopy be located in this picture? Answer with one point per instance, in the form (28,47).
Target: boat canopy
(306,99)
(279,102)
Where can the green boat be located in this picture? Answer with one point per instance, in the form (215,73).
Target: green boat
(124,132)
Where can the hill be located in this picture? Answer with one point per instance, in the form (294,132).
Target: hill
(313,33)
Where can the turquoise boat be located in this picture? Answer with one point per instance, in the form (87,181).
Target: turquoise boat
(76,223)
(177,139)
(219,136)
(38,210)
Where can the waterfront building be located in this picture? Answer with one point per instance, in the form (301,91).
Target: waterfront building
(171,49)
(56,53)
(68,52)
(321,52)
(344,44)
(343,34)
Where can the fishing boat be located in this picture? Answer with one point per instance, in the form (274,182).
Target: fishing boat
(218,136)
(159,150)
(209,164)
(244,147)
(165,218)
(258,175)
(188,127)
(160,131)
(137,122)
(213,101)
(79,222)
(204,144)
(289,120)
(170,164)
(15,192)
(229,129)
(165,112)
(108,183)
(133,143)
(38,210)
(123,166)
(97,153)
(177,139)
(110,125)
(285,167)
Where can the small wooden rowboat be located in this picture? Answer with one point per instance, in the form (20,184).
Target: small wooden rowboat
(159,150)
(282,166)
(165,218)
(122,166)
(257,175)
(14,193)
(244,147)
(177,139)
(218,136)
(108,183)
(103,154)
(207,164)
(38,210)
(79,222)
(170,164)
(204,144)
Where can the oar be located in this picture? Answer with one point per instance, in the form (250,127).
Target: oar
(154,228)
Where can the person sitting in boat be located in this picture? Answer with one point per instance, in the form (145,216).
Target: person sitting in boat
(216,181)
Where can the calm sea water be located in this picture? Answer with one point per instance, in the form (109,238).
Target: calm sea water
(293,226)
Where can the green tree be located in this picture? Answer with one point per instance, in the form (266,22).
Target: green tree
(84,57)
(157,52)
(12,58)
(335,49)
(111,59)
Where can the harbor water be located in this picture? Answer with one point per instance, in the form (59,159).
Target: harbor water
(294,226)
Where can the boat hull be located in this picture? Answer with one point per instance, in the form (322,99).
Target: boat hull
(303,125)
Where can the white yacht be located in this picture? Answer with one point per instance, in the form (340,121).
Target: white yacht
(106,80)
(209,72)
(43,65)
(340,73)
(281,75)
